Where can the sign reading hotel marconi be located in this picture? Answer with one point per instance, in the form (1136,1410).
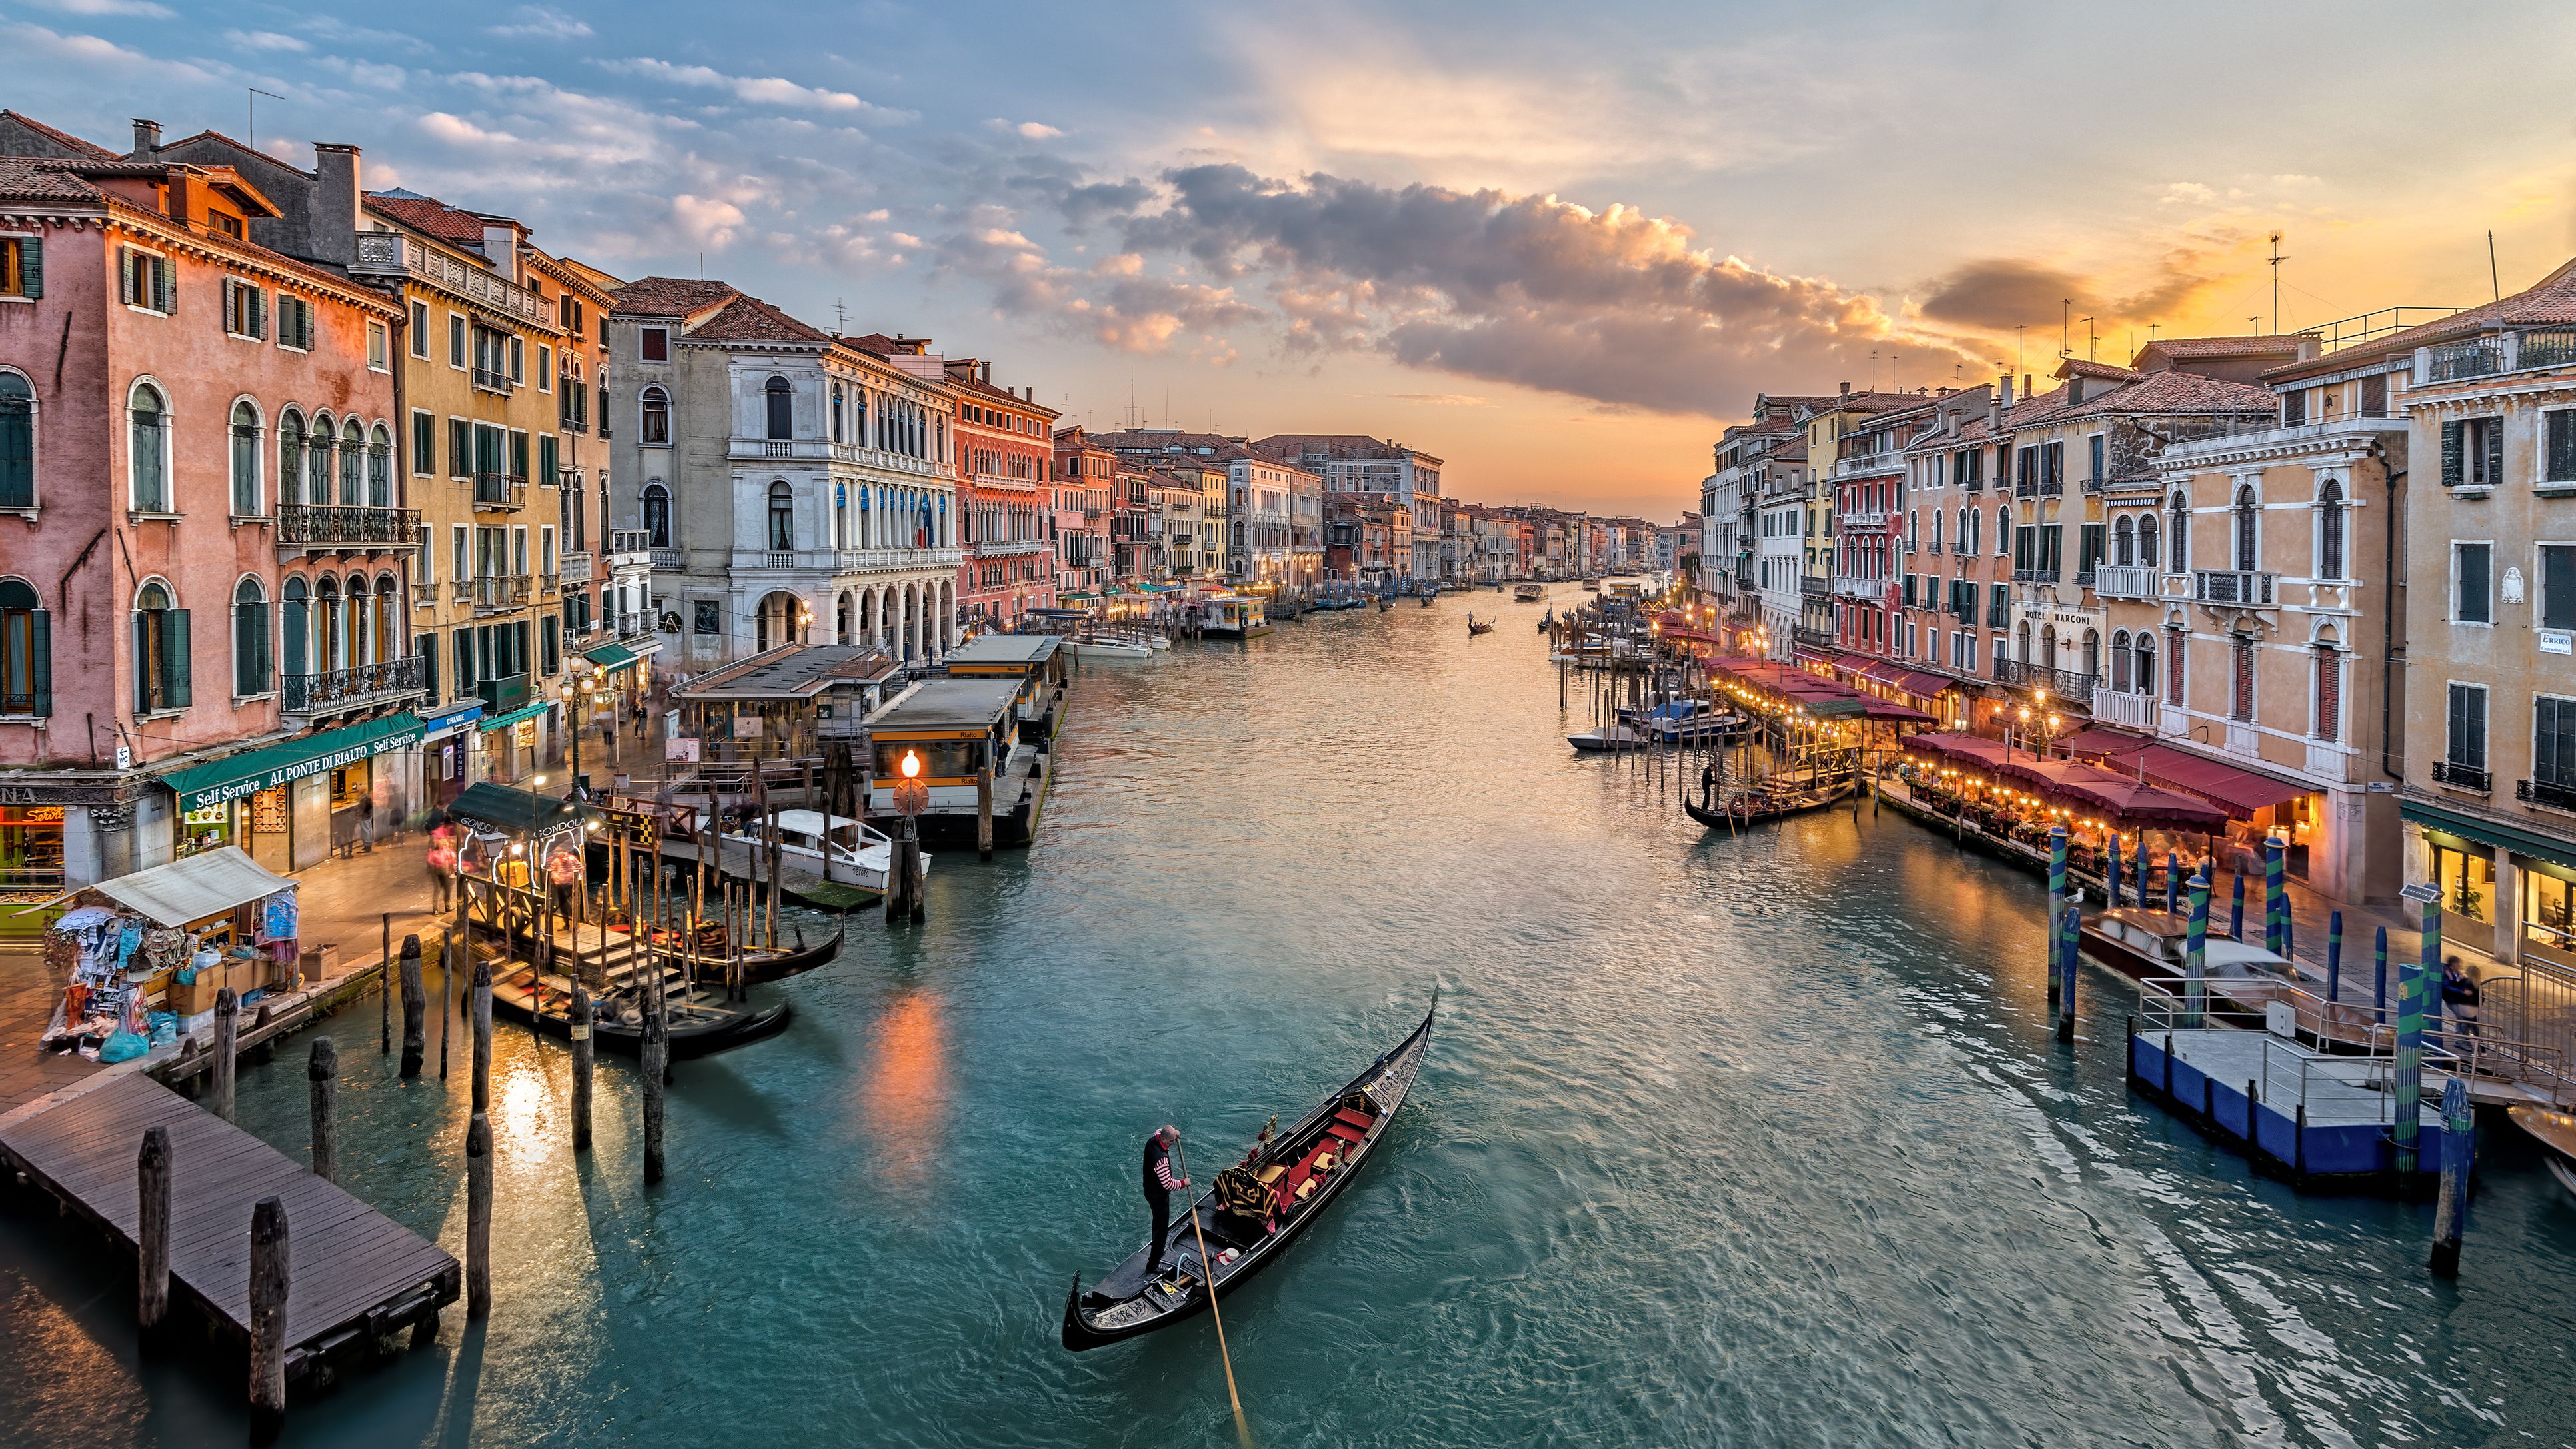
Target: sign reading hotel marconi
(296,766)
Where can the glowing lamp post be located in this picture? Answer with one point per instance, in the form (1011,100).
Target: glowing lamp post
(903,875)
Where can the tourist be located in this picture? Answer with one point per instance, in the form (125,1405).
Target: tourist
(563,876)
(2460,996)
(1159,1187)
(442,866)
(367,822)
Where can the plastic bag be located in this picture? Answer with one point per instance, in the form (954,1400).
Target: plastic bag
(122,1046)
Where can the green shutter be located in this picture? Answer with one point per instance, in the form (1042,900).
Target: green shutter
(41,676)
(2451,469)
(259,314)
(174,658)
(546,459)
(142,653)
(31,267)
(165,285)
(2495,452)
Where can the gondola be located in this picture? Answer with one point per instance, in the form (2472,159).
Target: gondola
(760,966)
(1474,628)
(1344,1128)
(699,1027)
(1754,807)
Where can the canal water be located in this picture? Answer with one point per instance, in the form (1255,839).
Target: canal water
(1721,1141)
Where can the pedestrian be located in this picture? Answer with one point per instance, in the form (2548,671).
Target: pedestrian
(1159,1187)
(2460,996)
(442,868)
(367,821)
(563,876)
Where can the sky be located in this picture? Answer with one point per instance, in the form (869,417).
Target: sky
(1559,247)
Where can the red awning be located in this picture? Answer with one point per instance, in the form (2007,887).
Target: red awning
(2119,798)
(2243,792)
(1881,709)
(1925,686)
(2103,740)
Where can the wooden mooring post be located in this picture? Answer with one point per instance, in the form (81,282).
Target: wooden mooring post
(2459,1157)
(152,1230)
(482,1068)
(269,1271)
(478,1215)
(582,1050)
(322,1074)
(415,1002)
(385,1005)
(655,1061)
(227,1035)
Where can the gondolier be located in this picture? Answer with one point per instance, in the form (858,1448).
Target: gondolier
(1159,1187)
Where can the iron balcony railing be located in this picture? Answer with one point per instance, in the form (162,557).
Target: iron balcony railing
(494,592)
(2476,357)
(1812,636)
(500,491)
(1998,613)
(492,379)
(1815,586)
(2039,487)
(2240,587)
(2545,792)
(2035,576)
(348,688)
(2064,683)
(2462,777)
(335,525)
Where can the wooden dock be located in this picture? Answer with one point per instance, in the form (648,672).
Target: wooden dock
(2317,1119)
(356,1276)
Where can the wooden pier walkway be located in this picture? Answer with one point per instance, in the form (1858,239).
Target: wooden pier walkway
(356,1275)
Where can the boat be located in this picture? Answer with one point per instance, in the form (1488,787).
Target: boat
(1093,646)
(1474,628)
(1233,616)
(1528,593)
(1755,804)
(2556,1133)
(761,965)
(700,1025)
(2245,979)
(1704,729)
(1591,586)
(1607,739)
(1322,1152)
(840,850)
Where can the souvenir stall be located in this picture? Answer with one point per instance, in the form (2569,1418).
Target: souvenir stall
(138,959)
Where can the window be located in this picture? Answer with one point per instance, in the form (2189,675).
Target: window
(17,442)
(2147,540)
(294,323)
(2553,743)
(457,356)
(245,460)
(2245,521)
(22,266)
(161,671)
(253,668)
(460,554)
(550,646)
(2558,585)
(2145,674)
(657,516)
(2326,694)
(26,652)
(2465,745)
(460,448)
(2176,662)
(2120,661)
(653,344)
(147,281)
(245,309)
(419,329)
(2124,541)
(2003,531)
(2472,590)
(655,429)
(2558,445)
(148,455)
(2178,530)
(548,474)
(380,468)
(2330,530)
(353,464)
(2240,694)
(545,366)
(2463,880)
(2473,453)
(781,401)
(379,353)
(518,358)
(424,442)
(836,413)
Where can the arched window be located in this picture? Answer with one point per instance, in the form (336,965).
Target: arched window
(2146,671)
(841,519)
(2178,532)
(2047,647)
(654,428)
(2092,654)
(781,399)
(2147,540)
(317,459)
(17,442)
(294,628)
(161,666)
(290,456)
(2245,519)
(331,639)
(2120,661)
(2330,535)
(380,468)
(353,464)
(836,414)
(2023,650)
(2124,541)
(389,619)
(657,516)
(245,460)
(26,652)
(782,515)
(2326,705)
(841,621)
(148,442)
(2003,531)
(253,666)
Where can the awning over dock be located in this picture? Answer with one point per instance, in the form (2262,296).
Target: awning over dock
(2243,794)
(500,810)
(2125,801)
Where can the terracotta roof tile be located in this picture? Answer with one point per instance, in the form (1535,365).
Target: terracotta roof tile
(749,319)
(43,179)
(2084,367)
(2275,344)
(429,216)
(671,296)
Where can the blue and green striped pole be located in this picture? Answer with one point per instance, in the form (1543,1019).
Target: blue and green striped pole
(2195,969)
(2146,868)
(2459,1158)
(2412,983)
(2071,946)
(2334,956)
(2111,872)
(2173,884)
(2056,902)
(2379,977)
(2236,910)
(2276,900)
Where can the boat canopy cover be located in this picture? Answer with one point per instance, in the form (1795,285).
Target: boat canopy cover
(501,810)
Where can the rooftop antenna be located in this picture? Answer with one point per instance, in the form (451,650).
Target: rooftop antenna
(702,266)
(2021,335)
(2066,327)
(2495,283)
(2092,344)
(256,93)
(2277,259)
(840,317)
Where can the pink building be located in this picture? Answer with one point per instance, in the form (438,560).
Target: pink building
(196,440)
(1005,497)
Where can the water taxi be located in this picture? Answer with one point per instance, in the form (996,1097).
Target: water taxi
(1526,593)
(1233,616)
(1591,586)
(840,850)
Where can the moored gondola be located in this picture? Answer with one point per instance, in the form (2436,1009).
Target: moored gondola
(1250,1212)
(699,1025)
(1752,807)
(760,966)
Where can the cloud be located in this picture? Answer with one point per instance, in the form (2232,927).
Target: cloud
(266,40)
(1114,302)
(1997,294)
(1441,399)
(1614,306)
(542,22)
(1027,130)
(140,8)
(103,57)
(709,223)
(761,90)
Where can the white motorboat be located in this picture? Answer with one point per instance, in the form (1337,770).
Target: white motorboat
(1529,593)
(2555,1132)
(858,853)
(1100,648)
(1613,737)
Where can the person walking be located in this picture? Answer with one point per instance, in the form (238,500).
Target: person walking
(442,867)
(563,877)
(2460,996)
(367,821)
(1159,1187)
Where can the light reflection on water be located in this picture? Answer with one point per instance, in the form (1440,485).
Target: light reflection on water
(1753,1141)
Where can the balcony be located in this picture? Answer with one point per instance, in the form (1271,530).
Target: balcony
(574,569)
(1853,586)
(820,450)
(1998,613)
(668,561)
(1812,636)
(1857,518)
(2237,588)
(498,593)
(1012,547)
(339,526)
(2544,792)
(492,379)
(424,596)
(2126,581)
(499,493)
(1814,586)
(2036,576)
(2039,488)
(386,253)
(2462,777)
(2119,707)
(357,687)
(2066,684)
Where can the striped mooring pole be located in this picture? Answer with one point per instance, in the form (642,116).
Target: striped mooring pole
(2195,970)
(2056,903)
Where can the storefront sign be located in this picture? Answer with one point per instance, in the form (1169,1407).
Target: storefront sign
(247,774)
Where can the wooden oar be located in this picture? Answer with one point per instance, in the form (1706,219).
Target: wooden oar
(1242,1429)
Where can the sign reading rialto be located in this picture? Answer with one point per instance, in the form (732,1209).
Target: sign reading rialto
(244,775)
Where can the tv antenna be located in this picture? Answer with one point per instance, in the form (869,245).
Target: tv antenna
(256,93)
(2277,259)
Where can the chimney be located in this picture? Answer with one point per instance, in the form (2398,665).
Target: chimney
(501,249)
(2001,400)
(1847,389)
(147,139)
(331,206)
(2027,391)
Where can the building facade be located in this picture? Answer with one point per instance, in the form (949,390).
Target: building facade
(1006,490)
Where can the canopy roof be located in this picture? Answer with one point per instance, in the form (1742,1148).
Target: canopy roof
(210,883)
(2241,793)
(270,766)
(501,810)
(2118,798)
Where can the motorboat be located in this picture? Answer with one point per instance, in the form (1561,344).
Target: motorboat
(1608,739)
(841,850)
(1528,593)
(1095,646)
(2556,1133)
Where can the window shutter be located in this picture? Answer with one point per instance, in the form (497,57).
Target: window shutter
(2458,726)
(2562,447)
(2451,460)
(41,675)
(176,666)
(259,314)
(165,285)
(125,275)
(2494,431)
(142,652)
(2173,666)
(2329,693)
(264,653)
(31,270)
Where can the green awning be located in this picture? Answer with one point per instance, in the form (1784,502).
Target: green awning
(2489,832)
(1830,708)
(501,810)
(525,711)
(610,656)
(252,771)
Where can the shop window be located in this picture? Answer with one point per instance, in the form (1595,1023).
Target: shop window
(2466,880)
(2549,911)
(26,652)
